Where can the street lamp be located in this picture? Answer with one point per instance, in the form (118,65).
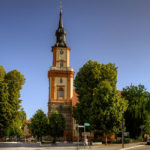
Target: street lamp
(142,127)
(122,128)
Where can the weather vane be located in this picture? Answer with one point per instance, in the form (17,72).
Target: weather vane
(60,5)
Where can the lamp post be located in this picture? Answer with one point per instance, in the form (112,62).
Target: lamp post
(122,128)
(142,127)
(79,126)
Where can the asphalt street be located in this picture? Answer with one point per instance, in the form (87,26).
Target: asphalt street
(109,147)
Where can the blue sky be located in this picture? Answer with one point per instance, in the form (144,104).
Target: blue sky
(116,31)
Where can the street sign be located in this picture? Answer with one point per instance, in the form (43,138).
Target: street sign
(86,124)
(126,134)
(80,126)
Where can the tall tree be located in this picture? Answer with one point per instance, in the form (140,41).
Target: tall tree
(16,128)
(39,124)
(137,112)
(99,102)
(56,125)
(15,80)
(107,109)
(10,85)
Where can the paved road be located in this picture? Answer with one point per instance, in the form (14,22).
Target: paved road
(110,147)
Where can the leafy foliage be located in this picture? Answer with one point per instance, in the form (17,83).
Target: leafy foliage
(106,109)
(138,109)
(5,111)
(99,101)
(2,73)
(56,125)
(10,85)
(16,128)
(147,125)
(39,124)
(14,80)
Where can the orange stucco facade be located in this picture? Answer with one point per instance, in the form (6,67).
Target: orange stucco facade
(61,87)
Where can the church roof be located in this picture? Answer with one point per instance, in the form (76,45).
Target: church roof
(74,98)
(60,33)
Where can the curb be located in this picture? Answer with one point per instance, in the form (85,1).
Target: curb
(131,147)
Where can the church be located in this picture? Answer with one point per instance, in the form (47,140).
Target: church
(62,96)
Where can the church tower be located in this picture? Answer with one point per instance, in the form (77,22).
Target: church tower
(61,79)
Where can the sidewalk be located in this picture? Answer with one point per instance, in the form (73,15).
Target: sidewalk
(114,146)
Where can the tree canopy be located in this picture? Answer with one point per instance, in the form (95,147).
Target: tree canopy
(137,113)
(39,124)
(10,85)
(56,125)
(99,101)
(17,126)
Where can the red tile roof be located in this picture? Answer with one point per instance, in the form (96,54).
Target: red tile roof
(74,98)
(27,121)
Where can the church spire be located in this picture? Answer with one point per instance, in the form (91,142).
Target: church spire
(60,19)
(60,33)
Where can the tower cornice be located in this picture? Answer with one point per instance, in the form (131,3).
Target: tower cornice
(60,73)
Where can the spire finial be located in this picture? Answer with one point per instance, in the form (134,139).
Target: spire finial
(60,32)
(60,19)
(60,6)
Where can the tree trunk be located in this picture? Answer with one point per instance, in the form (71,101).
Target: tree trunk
(41,139)
(54,140)
(1,132)
(106,139)
(38,138)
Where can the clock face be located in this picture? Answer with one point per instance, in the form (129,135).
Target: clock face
(61,52)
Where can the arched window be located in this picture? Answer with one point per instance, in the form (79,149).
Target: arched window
(61,92)
(61,80)
(61,64)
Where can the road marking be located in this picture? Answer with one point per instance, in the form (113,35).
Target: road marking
(131,147)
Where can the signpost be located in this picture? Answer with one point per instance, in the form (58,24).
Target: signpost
(85,124)
(79,126)
(82,126)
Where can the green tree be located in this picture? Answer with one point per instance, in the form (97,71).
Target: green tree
(137,112)
(17,126)
(147,125)
(10,85)
(56,125)
(106,109)
(99,102)
(39,124)
(2,73)
(22,117)
(15,80)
